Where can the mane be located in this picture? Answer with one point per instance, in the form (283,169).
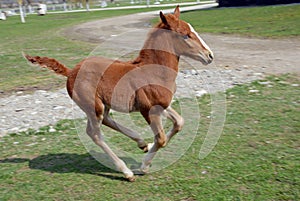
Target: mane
(159,45)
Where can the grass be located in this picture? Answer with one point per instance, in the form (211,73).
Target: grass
(256,158)
(266,21)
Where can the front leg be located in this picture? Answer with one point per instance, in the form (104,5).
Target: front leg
(177,120)
(153,117)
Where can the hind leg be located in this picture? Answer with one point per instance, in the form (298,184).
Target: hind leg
(93,130)
(108,121)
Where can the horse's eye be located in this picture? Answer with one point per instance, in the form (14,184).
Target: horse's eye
(185,36)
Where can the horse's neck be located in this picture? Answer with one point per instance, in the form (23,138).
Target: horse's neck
(160,57)
(159,49)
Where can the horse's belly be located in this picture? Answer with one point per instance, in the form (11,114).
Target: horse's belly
(123,101)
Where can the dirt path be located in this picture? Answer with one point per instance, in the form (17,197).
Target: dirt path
(269,56)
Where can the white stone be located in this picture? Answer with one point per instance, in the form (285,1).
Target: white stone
(264,83)
(253,91)
(201,92)
(52,130)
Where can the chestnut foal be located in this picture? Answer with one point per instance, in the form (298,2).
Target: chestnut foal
(145,84)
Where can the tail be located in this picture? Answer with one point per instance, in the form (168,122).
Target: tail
(50,63)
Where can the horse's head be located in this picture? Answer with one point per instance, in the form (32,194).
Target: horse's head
(186,40)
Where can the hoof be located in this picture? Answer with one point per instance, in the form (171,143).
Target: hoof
(131,179)
(148,147)
(143,146)
(139,172)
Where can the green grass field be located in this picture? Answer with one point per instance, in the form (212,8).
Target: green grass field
(266,21)
(256,158)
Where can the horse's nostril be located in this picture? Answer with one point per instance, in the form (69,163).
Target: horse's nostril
(211,56)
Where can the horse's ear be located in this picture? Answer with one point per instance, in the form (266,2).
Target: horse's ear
(163,18)
(177,12)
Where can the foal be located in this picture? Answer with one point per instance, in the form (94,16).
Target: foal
(145,84)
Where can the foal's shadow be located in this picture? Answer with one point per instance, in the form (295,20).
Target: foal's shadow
(69,163)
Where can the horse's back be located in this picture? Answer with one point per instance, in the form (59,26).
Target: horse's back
(94,78)
(86,74)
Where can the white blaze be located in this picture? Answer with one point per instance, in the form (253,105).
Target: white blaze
(201,41)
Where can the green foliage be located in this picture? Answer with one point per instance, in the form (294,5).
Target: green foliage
(256,158)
